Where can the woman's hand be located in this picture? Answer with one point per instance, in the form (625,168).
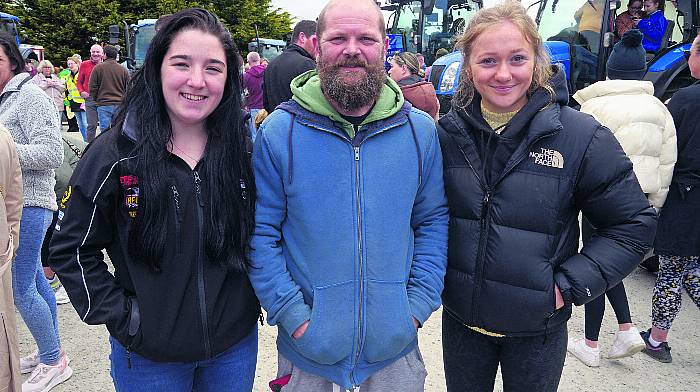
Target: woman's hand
(301,330)
(558,299)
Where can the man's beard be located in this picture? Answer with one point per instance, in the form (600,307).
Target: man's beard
(354,95)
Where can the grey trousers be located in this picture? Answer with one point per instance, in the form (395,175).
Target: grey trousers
(91,112)
(406,374)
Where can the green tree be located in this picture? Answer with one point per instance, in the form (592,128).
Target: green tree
(64,27)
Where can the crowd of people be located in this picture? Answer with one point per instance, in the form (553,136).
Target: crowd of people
(325,188)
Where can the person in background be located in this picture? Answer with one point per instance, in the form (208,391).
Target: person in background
(168,192)
(83,84)
(628,20)
(74,103)
(29,67)
(406,71)
(421,61)
(589,18)
(253,88)
(296,59)
(35,126)
(649,140)
(519,167)
(51,84)
(107,86)
(678,238)
(654,24)
(10,215)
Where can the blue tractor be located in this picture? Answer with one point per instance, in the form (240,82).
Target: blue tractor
(8,25)
(428,25)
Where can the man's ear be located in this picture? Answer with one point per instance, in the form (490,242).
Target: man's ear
(386,44)
(316,43)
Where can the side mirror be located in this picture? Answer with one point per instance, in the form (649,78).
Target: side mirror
(113,34)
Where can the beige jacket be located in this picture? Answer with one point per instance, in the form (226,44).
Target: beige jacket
(642,125)
(10,213)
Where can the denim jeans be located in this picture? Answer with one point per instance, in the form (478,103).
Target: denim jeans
(471,359)
(104,114)
(81,117)
(34,298)
(91,115)
(231,371)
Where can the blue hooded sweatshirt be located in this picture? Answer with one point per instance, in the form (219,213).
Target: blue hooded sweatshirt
(351,232)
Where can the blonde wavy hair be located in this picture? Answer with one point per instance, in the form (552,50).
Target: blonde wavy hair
(509,11)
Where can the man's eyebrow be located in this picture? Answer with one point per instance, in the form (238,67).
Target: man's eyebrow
(188,57)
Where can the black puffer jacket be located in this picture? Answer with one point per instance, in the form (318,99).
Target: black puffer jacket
(514,231)
(190,309)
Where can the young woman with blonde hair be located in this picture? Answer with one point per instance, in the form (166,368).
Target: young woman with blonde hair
(520,166)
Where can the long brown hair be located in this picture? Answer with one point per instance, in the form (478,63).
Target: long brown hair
(512,12)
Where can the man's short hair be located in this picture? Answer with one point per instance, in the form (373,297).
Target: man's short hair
(308,27)
(111,52)
(253,57)
(322,23)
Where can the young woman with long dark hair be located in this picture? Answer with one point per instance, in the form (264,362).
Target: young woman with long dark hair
(169,193)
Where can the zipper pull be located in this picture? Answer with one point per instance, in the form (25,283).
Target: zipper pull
(176,197)
(357,153)
(485,204)
(261,318)
(128,357)
(197,187)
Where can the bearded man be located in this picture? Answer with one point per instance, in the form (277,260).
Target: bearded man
(350,244)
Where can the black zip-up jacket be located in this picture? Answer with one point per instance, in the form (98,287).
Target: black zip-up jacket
(514,231)
(192,308)
(293,62)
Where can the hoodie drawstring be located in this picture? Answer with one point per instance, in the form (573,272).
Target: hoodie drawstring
(291,149)
(420,157)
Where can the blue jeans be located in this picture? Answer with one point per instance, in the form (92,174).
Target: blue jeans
(81,118)
(34,298)
(231,371)
(104,115)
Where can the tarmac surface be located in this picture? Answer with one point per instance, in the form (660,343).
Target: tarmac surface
(88,349)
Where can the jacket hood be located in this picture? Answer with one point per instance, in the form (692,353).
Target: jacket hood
(614,87)
(257,71)
(306,91)
(413,79)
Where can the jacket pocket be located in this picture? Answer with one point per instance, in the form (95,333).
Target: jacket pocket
(329,336)
(389,321)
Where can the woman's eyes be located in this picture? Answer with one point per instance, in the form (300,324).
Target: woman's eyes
(517,60)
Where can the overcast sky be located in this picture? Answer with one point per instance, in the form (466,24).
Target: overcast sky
(307,9)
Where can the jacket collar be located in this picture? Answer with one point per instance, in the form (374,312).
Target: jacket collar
(300,50)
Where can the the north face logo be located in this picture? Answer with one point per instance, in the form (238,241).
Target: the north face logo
(548,157)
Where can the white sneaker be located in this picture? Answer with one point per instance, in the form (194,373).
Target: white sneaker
(627,343)
(588,355)
(30,362)
(45,377)
(61,296)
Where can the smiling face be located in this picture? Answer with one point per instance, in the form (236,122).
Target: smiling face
(72,65)
(193,75)
(96,53)
(501,66)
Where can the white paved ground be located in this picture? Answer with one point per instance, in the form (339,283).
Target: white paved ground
(89,349)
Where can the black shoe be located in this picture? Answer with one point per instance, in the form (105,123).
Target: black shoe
(650,264)
(661,353)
